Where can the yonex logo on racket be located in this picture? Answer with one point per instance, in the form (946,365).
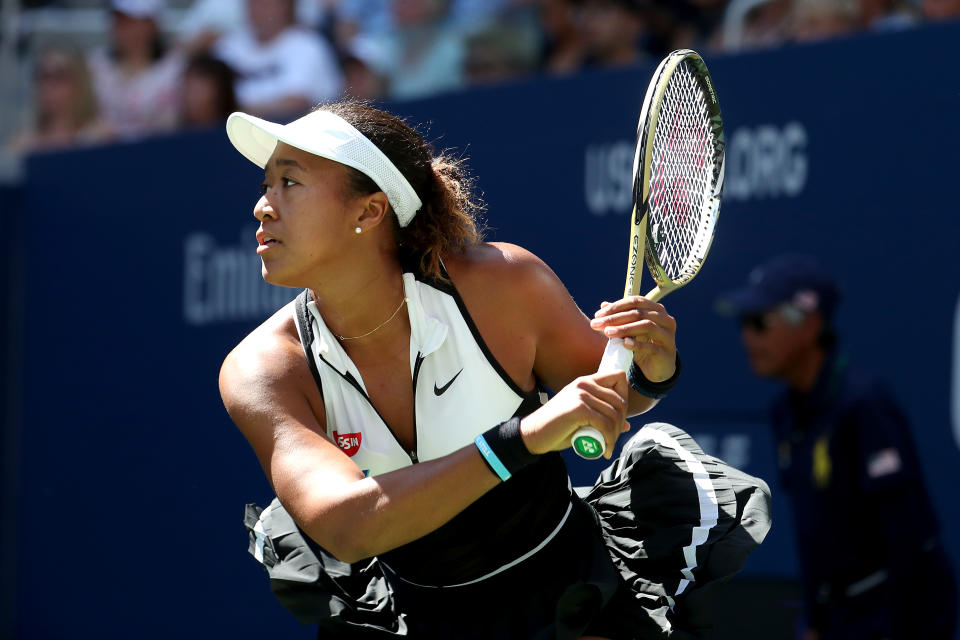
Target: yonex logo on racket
(587,447)
(634,258)
(709,84)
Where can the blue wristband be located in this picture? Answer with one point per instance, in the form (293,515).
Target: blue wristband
(491,458)
(503,449)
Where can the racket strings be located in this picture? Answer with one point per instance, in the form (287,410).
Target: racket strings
(682,170)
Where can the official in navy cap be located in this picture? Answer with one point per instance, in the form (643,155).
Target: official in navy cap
(871,559)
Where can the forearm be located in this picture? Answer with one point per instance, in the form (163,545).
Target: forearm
(374,515)
(644,393)
(640,404)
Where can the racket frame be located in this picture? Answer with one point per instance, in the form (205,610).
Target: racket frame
(649,118)
(588,442)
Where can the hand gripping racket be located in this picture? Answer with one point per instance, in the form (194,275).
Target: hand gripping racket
(677,181)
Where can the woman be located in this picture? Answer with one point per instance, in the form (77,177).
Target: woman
(395,407)
(208,96)
(65,108)
(137,78)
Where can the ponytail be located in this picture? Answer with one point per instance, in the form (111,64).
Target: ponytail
(448,221)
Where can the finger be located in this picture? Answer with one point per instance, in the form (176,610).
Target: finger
(603,418)
(622,387)
(615,380)
(641,332)
(633,315)
(600,398)
(603,305)
(603,402)
(630,302)
(612,402)
(610,389)
(633,324)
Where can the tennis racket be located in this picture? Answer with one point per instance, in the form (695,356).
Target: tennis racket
(677,182)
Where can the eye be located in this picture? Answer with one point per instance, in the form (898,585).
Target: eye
(263,188)
(289,182)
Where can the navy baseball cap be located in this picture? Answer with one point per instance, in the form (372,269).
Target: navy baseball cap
(796,279)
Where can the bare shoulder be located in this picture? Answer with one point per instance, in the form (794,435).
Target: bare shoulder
(513,270)
(515,300)
(268,360)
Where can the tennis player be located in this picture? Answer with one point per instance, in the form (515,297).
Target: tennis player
(396,407)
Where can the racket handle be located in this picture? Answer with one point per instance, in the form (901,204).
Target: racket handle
(588,442)
(616,357)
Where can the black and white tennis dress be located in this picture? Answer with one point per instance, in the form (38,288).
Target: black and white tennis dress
(531,558)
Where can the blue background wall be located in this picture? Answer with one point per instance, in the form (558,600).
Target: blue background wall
(130,272)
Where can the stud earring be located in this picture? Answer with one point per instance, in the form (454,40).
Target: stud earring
(358,230)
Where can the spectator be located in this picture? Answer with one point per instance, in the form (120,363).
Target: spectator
(498,53)
(871,559)
(936,10)
(684,24)
(362,64)
(136,79)
(815,20)
(888,15)
(613,32)
(208,93)
(755,24)
(479,14)
(564,46)
(283,67)
(206,21)
(65,108)
(369,20)
(425,53)
(376,18)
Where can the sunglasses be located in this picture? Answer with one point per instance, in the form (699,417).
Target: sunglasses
(758,322)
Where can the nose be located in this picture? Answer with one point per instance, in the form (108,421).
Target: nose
(264,209)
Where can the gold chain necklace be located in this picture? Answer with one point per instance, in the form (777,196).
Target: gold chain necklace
(375,329)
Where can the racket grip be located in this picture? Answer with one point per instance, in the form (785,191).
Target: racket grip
(587,442)
(616,357)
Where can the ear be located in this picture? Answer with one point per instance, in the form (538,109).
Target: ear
(375,209)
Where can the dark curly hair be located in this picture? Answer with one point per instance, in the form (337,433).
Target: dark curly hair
(448,222)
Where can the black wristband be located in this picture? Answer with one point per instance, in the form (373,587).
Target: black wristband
(655,390)
(505,444)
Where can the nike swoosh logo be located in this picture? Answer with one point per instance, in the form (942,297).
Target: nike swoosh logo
(439,391)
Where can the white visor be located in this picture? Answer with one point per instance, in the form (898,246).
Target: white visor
(325,134)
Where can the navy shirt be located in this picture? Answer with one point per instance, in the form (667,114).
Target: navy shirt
(848,463)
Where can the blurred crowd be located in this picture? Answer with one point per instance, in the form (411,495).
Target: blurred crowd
(277,58)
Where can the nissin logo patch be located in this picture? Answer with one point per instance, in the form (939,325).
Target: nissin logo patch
(349,442)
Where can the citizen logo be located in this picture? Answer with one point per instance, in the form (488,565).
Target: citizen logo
(439,391)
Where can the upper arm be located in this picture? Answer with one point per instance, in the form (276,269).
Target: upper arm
(269,392)
(531,301)
(267,389)
(566,345)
